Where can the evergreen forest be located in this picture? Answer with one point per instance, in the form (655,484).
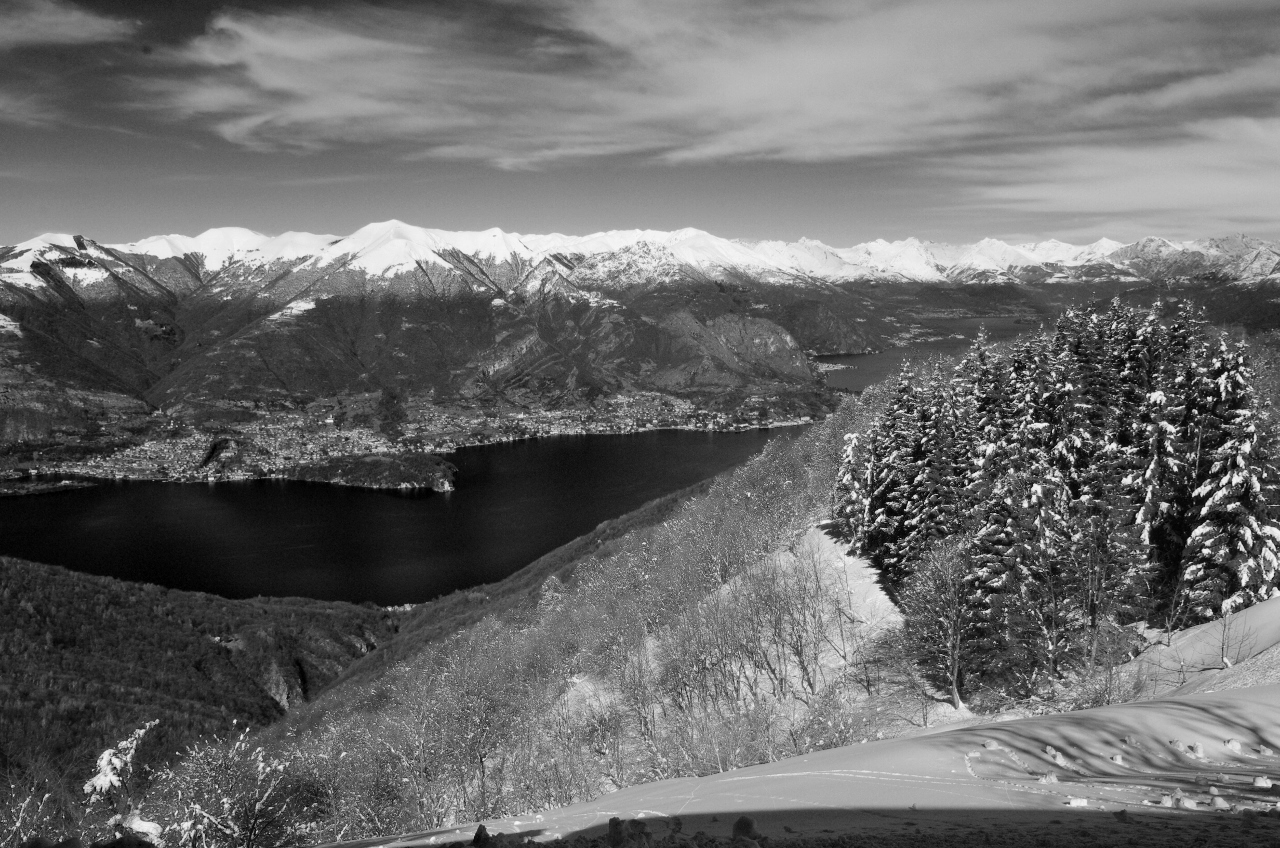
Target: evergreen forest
(1033,507)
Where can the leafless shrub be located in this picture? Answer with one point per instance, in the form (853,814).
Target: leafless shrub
(236,794)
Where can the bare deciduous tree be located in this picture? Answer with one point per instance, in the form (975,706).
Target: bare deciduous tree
(938,617)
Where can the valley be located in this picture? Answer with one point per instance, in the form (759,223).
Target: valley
(722,627)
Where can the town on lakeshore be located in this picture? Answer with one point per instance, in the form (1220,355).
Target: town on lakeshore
(331,440)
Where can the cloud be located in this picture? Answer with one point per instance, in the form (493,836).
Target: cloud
(25,109)
(810,80)
(43,23)
(40,22)
(1219,178)
(1039,106)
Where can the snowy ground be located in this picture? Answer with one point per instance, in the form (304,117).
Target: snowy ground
(1192,768)
(1240,650)
(1153,773)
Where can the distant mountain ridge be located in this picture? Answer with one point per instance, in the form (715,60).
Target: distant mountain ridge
(393,248)
(396,323)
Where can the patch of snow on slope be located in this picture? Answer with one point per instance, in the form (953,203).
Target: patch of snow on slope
(16,269)
(47,239)
(87,276)
(8,326)
(24,279)
(858,580)
(288,246)
(292,310)
(26,252)
(1216,654)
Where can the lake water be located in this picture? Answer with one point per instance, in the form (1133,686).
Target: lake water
(865,369)
(514,502)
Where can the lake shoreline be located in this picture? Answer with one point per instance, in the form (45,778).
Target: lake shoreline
(317,441)
(280,537)
(56,478)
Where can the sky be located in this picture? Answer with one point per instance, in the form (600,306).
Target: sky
(840,120)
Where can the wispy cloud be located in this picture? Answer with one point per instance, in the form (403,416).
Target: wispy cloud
(37,22)
(42,23)
(1141,109)
(1218,177)
(25,109)
(811,80)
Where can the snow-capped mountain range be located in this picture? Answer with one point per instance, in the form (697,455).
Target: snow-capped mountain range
(234,317)
(393,248)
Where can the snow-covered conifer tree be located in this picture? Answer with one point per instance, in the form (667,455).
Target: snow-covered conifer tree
(1231,557)
(891,482)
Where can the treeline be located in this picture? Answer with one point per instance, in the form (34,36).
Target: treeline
(1025,505)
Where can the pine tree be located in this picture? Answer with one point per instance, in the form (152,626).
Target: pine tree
(1231,556)
(937,495)
(852,498)
(1157,486)
(891,482)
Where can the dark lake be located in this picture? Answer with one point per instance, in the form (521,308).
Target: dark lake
(513,503)
(865,369)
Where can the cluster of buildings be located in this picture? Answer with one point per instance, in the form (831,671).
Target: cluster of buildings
(274,444)
(270,446)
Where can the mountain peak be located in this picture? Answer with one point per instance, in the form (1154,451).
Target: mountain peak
(393,247)
(47,240)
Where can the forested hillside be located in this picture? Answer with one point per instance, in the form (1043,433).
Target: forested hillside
(1111,471)
(84,660)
